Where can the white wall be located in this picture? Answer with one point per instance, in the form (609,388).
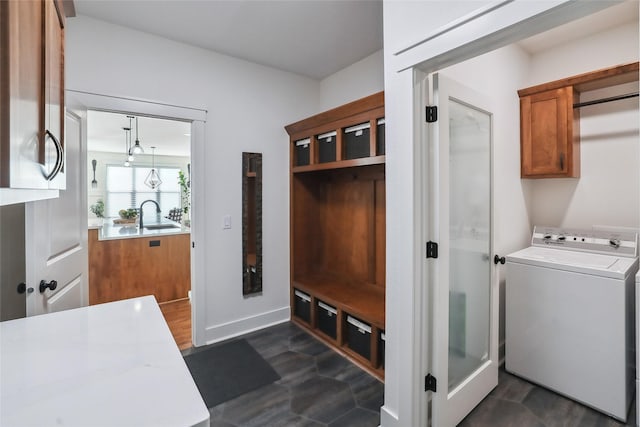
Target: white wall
(247,105)
(608,190)
(356,81)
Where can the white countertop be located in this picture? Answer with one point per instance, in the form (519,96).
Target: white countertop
(110,231)
(113,364)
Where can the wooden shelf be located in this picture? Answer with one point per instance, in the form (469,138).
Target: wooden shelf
(364,161)
(337,165)
(362,300)
(319,122)
(357,359)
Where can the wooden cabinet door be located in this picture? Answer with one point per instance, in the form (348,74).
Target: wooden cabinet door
(547,128)
(21,76)
(52,153)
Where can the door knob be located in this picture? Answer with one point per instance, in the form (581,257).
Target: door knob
(22,288)
(498,259)
(51,285)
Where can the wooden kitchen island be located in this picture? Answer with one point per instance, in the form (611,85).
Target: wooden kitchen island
(126,263)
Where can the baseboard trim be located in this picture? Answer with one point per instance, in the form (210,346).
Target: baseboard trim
(243,326)
(388,418)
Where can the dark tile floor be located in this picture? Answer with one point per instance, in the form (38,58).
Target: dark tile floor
(518,403)
(317,386)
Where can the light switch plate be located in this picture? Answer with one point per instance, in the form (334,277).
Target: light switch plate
(226,222)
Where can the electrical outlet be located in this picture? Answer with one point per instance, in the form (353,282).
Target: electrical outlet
(226,222)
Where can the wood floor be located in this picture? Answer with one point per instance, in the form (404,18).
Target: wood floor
(178,316)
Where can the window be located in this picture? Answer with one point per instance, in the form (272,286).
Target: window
(126,189)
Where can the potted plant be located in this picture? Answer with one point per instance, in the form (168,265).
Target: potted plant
(97,209)
(127,216)
(185,199)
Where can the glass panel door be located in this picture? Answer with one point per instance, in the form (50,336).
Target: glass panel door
(469,242)
(464,307)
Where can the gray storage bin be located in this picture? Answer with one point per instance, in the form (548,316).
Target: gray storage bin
(302,151)
(326,317)
(327,147)
(359,337)
(380,138)
(356,141)
(302,306)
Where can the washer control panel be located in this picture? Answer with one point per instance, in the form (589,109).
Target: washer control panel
(596,241)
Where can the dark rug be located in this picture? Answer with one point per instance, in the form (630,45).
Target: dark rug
(229,370)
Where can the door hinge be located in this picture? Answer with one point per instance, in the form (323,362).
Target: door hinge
(430,383)
(432,113)
(432,250)
(193,244)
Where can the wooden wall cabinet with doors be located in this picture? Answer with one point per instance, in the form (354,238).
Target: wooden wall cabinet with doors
(32,95)
(338,229)
(550,121)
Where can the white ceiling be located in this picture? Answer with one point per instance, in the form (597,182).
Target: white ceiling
(314,38)
(310,37)
(608,18)
(105,133)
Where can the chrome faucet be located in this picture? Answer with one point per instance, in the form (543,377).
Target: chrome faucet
(142,214)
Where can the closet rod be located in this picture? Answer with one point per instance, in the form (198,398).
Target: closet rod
(603,100)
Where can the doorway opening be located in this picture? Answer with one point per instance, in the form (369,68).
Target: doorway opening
(607,132)
(139,203)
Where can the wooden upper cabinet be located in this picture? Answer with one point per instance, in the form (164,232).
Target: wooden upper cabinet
(52,153)
(550,121)
(549,134)
(31,94)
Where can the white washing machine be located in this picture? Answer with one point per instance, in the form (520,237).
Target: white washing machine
(570,315)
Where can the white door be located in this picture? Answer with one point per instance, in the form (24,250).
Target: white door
(56,232)
(463,283)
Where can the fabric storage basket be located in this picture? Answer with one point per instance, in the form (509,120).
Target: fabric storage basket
(381,344)
(359,337)
(380,138)
(302,152)
(327,147)
(302,306)
(327,316)
(356,141)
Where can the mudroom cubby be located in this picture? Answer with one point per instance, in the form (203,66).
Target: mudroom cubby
(338,228)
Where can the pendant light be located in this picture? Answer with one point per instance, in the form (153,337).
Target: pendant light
(130,157)
(153,180)
(127,162)
(137,148)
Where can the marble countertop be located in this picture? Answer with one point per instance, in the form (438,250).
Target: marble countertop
(107,230)
(113,364)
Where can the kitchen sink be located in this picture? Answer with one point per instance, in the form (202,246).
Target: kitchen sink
(161,226)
